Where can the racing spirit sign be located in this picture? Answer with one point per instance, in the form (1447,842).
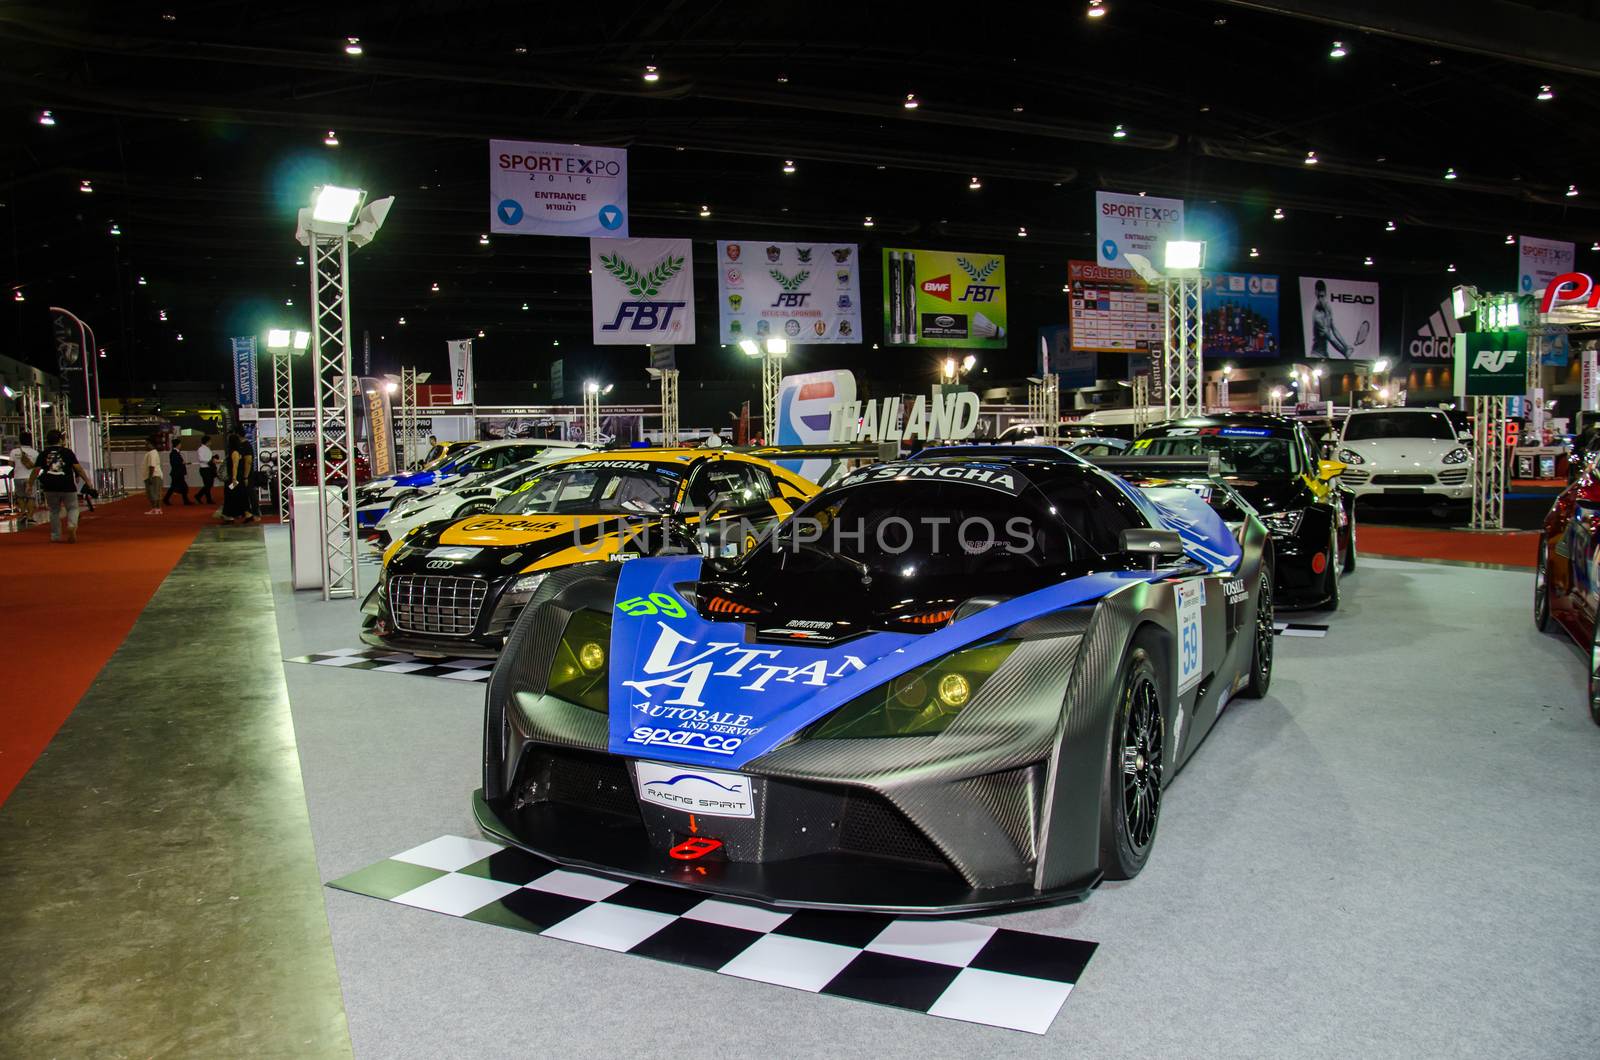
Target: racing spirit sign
(642,291)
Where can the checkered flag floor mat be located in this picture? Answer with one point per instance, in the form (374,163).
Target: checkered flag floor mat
(398,662)
(950,968)
(1299,629)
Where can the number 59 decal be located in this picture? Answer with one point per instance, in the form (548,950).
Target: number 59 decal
(654,604)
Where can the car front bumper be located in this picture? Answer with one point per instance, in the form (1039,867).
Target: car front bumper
(1369,481)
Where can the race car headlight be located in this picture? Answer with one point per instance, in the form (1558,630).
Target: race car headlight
(920,702)
(578,672)
(1457,456)
(1350,456)
(526,584)
(1283,524)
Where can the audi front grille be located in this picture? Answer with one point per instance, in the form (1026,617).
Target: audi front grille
(436,605)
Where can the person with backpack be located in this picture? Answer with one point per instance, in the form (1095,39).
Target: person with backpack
(55,471)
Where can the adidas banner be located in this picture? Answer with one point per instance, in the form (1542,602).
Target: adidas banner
(802,292)
(1434,339)
(642,291)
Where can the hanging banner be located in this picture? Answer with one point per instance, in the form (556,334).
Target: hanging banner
(938,298)
(1341,317)
(642,291)
(1134,224)
(540,189)
(1241,315)
(460,371)
(558,379)
(1112,310)
(1591,379)
(1541,260)
(804,292)
(377,428)
(1073,367)
(1435,337)
(245,382)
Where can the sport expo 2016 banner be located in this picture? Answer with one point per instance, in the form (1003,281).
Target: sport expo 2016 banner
(642,291)
(1134,224)
(1541,260)
(1341,317)
(939,298)
(804,292)
(1241,315)
(557,189)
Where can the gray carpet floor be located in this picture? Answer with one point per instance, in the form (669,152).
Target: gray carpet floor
(1394,855)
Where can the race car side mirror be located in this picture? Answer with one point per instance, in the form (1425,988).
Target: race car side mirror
(1152,546)
(1330,469)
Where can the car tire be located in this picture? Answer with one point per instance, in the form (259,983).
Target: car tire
(1350,539)
(1594,674)
(1541,590)
(1130,793)
(473,508)
(1262,650)
(1331,600)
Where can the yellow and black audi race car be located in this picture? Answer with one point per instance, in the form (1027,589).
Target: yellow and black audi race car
(455,587)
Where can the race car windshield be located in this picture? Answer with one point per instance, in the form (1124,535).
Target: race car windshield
(596,489)
(1373,425)
(1249,455)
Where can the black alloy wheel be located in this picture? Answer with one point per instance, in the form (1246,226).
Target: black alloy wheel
(1594,674)
(1331,603)
(1131,798)
(474,508)
(1541,591)
(1261,650)
(1349,536)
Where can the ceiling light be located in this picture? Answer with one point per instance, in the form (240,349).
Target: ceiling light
(335,205)
(974,184)
(1451,267)
(1119,133)
(788,165)
(524,307)
(651,74)
(299,261)
(521,49)
(1277,214)
(1389,226)
(557,342)
(1450,174)
(1337,52)
(480,333)
(288,301)
(1511,240)
(1367,260)
(1572,191)
(911,102)
(86,187)
(18,296)
(1254,253)
(782,79)
(168,16)
(142,281)
(705,210)
(1546,94)
(116,231)
(434,288)
(1311,158)
(1595,245)
(47,117)
(1017,109)
(483,240)
(161,314)
(1022,232)
(179,336)
(868,222)
(352,45)
(332,139)
(1097,9)
(402,321)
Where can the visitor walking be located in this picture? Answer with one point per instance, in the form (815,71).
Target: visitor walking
(152,475)
(56,471)
(203,457)
(179,481)
(23,458)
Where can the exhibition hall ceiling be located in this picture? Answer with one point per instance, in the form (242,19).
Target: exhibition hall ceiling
(199,128)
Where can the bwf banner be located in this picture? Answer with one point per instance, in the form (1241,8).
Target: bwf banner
(803,292)
(460,371)
(557,189)
(1340,317)
(245,381)
(642,291)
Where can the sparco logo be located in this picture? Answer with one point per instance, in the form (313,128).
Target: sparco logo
(1352,299)
(643,315)
(1493,360)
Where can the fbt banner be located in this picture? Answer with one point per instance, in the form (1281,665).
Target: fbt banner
(1134,224)
(1341,317)
(803,292)
(557,189)
(944,299)
(642,291)
(1541,260)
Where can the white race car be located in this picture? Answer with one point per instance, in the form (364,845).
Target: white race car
(375,498)
(469,495)
(1404,453)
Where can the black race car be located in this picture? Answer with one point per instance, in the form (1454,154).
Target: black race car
(950,683)
(1272,462)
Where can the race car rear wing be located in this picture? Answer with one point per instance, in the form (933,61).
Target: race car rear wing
(1154,466)
(979,451)
(1201,474)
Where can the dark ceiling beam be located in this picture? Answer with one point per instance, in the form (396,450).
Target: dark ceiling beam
(1519,32)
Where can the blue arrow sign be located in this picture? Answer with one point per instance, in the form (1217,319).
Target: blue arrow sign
(510,211)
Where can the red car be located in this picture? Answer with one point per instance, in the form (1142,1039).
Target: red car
(1567,578)
(305,466)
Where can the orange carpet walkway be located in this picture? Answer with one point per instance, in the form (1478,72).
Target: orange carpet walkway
(1512,548)
(67,608)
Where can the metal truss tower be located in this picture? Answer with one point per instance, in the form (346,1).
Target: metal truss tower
(771,381)
(669,408)
(408,416)
(335,392)
(283,429)
(1183,390)
(591,414)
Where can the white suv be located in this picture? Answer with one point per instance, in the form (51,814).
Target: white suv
(1400,452)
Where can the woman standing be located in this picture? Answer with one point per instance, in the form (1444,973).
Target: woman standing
(180,476)
(152,474)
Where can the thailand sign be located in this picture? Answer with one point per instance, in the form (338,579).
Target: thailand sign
(642,291)
(938,298)
(1134,224)
(1541,260)
(1112,310)
(802,292)
(1241,315)
(1493,363)
(939,417)
(1341,317)
(542,189)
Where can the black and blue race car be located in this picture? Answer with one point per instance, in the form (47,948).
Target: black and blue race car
(951,683)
